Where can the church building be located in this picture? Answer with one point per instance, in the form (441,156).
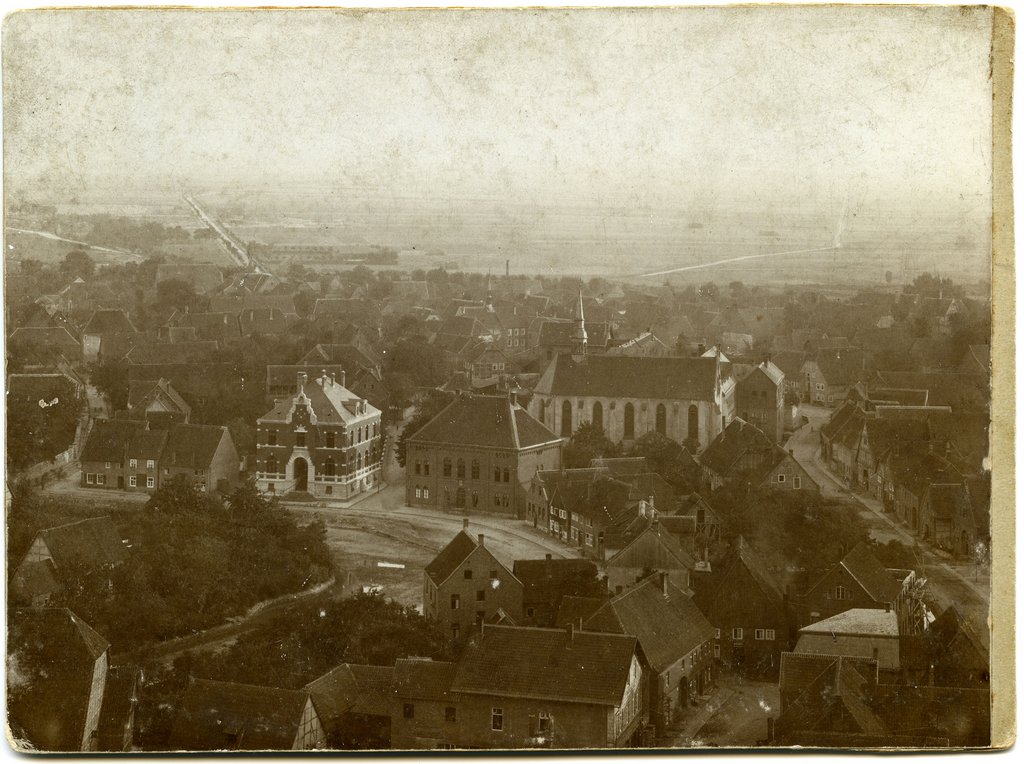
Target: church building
(687,399)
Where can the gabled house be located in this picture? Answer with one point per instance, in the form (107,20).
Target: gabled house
(548,581)
(760,397)
(828,377)
(148,396)
(749,610)
(744,455)
(101,324)
(353,702)
(676,643)
(227,716)
(655,550)
(65,550)
(550,688)
(860,581)
(465,584)
(62,695)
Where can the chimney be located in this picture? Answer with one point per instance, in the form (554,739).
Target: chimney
(664,584)
(343,379)
(570,630)
(547,556)
(323,377)
(888,607)
(465,523)
(480,539)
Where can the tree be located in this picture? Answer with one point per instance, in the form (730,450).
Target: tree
(180,496)
(111,379)
(587,443)
(427,408)
(77,264)
(709,290)
(177,293)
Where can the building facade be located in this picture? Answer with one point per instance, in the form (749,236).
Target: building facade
(324,441)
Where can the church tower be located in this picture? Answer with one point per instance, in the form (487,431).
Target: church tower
(579,333)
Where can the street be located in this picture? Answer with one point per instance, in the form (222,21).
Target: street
(966,586)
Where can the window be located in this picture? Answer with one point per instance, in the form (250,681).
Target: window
(497,719)
(574,533)
(561,513)
(455,602)
(481,595)
(272,465)
(449,713)
(90,478)
(628,422)
(590,539)
(566,428)
(759,634)
(497,474)
(151,483)
(446,467)
(300,438)
(597,418)
(150,464)
(329,489)
(769,634)
(408,710)
(101,479)
(718,650)
(329,440)
(493,574)
(426,468)
(504,475)
(718,633)
(474,470)
(329,468)
(467,574)
(460,469)
(796,482)
(737,633)
(272,438)
(419,492)
(131,481)
(106,465)
(841,593)
(782,478)
(426,492)
(692,423)
(133,463)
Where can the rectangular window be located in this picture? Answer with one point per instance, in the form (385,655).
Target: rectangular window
(408,710)
(300,439)
(272,438)
(718,633)
(449,713)
(329,440)
(426,493)
(481,595)
(455,602)
(426,468)
(101,479)
(561,514)
(718,651)
(759,634)
(132,481)
(90,478)
(419,492)
(782,478)
(590,539)
(497,719)
(106,465)
(133,463)
(574,533)
(796,482)
(455,632)
(737,634)
(769,634)
(150,464)
(493,575)
(467,574)
(417,469)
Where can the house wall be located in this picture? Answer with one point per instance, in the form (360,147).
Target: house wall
(110,474)
(546,457)
(853,645)
(224,464)
(683,681)
(311,733)
(794,477)
(427,728)
(507,595)
(821,602)
(760,402)
(93,707)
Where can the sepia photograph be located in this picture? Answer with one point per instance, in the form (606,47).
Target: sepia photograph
(508,379)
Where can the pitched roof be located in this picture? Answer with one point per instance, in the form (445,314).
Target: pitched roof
(279,375)
(93,542)
(192,445)
(420,679)
(331,401)
(878,582)
(451,557)
(51,657)
(109,321)
(559,333)
(667,626)
(119,693)
(225,715)
(766,369)
(739,447)
(573,609)
(654,549)
(140,389)
(549,580)
(546,664)
(842,681)
(488,421)
(863,622)
(664,378)
(35,579)
(841,366)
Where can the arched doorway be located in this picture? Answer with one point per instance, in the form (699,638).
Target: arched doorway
(301,472)
(598,418)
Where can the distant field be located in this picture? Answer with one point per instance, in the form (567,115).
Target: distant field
(31,246)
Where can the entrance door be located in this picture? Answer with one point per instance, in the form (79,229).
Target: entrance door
(460,497)
(120,481)
(301,468)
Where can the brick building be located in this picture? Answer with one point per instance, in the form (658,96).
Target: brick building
(466,584)
(480,452)
(324,441)
(760,397)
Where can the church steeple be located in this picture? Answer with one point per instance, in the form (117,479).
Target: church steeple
(579,333)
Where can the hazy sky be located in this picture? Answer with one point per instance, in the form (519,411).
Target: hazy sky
(723,105)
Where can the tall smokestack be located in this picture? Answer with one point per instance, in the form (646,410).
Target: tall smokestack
(506,268)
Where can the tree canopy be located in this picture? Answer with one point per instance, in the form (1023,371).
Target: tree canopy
(587,443)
